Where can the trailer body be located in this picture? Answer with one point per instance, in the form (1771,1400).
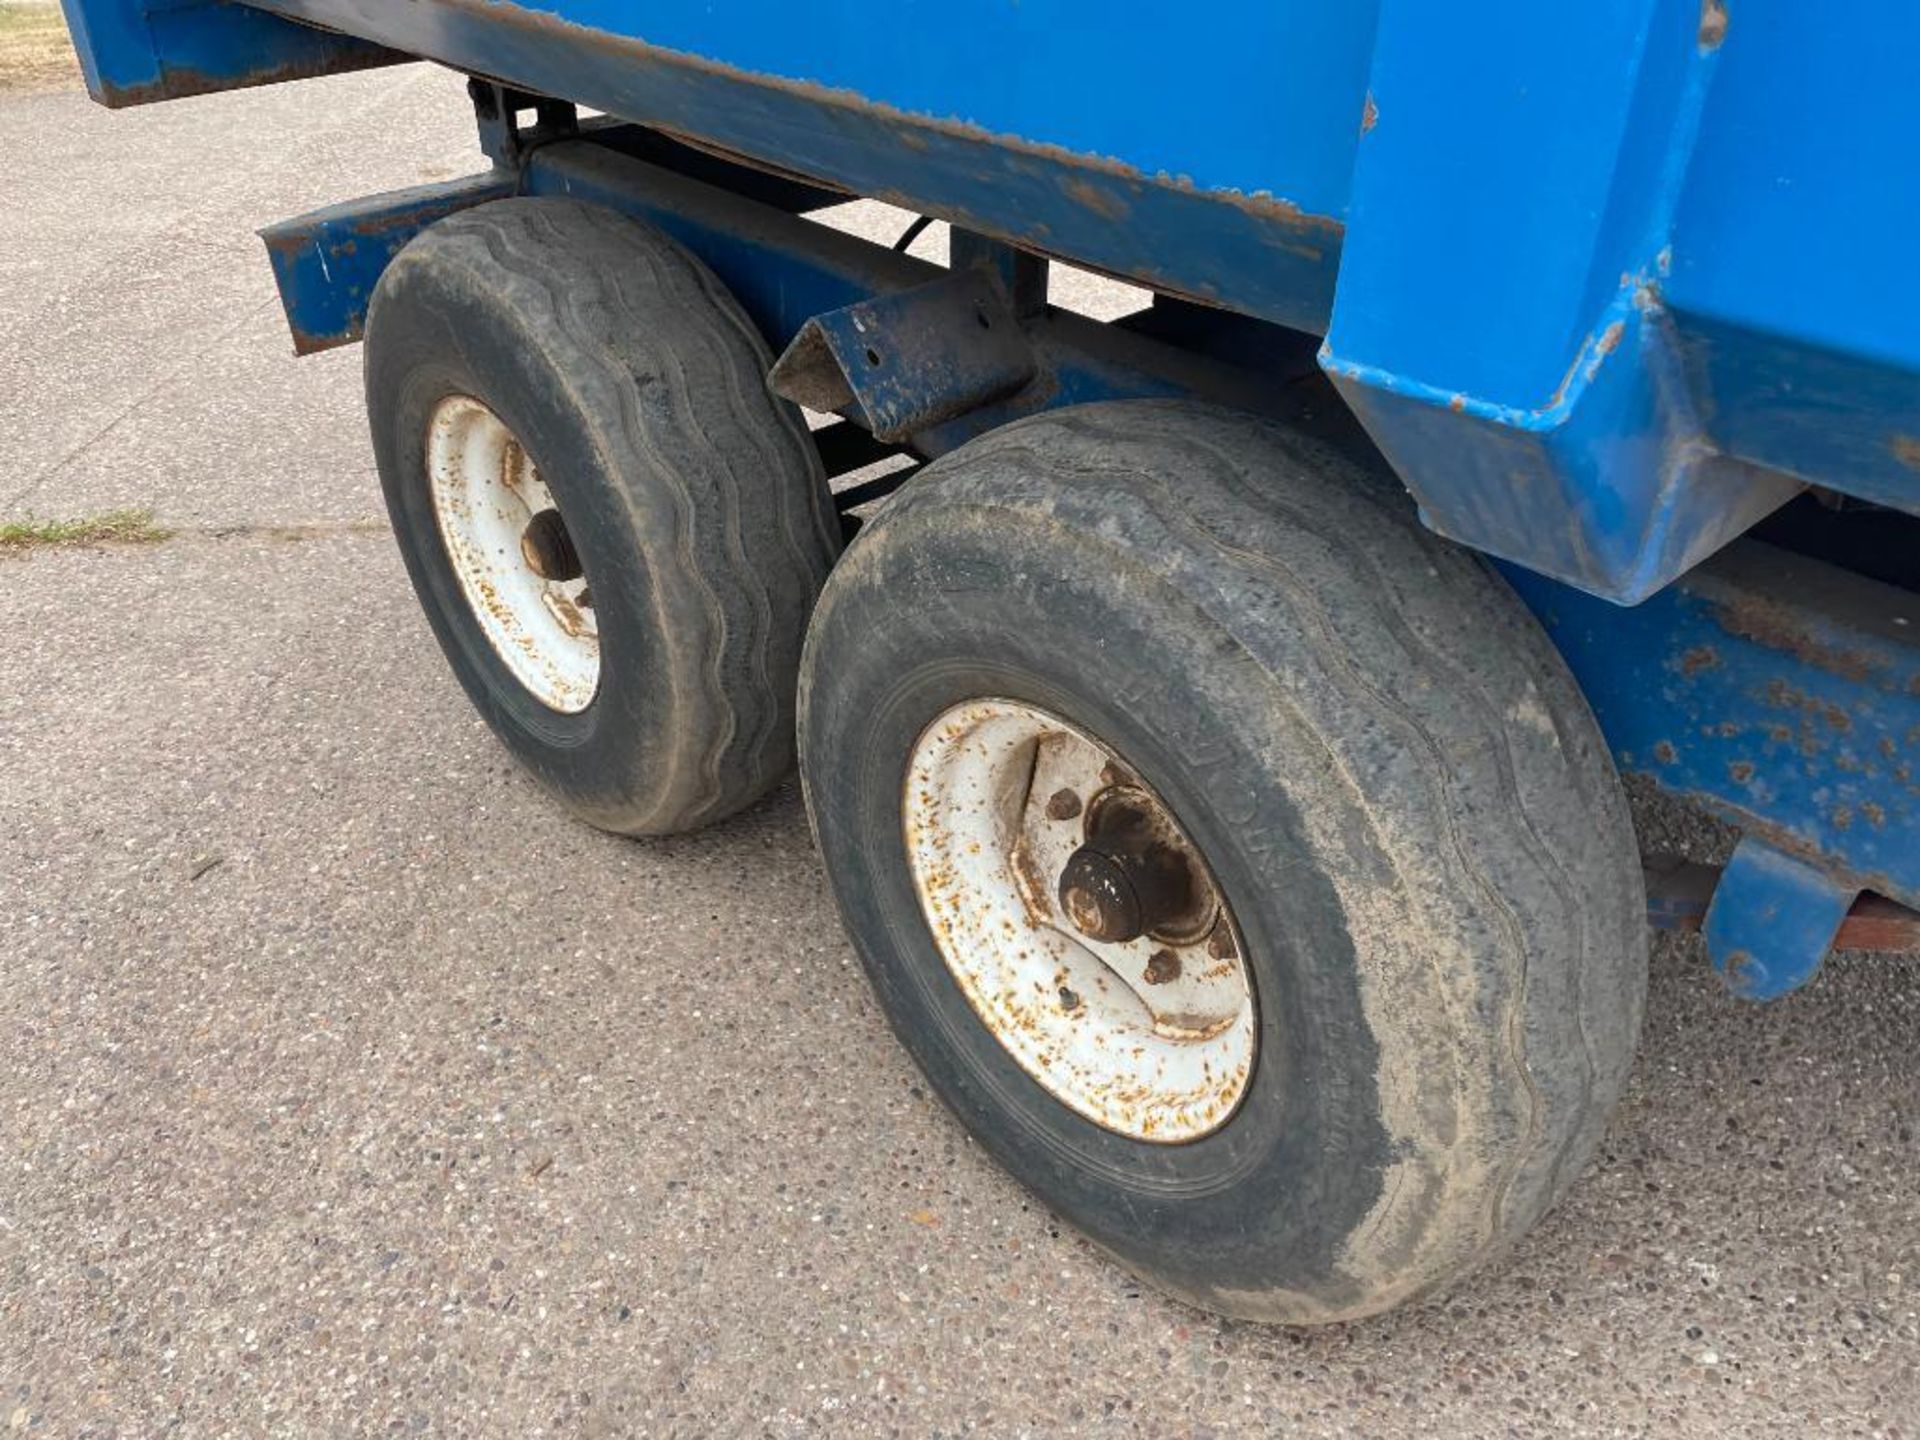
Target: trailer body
(1607,286)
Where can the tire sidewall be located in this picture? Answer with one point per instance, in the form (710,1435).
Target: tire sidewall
(431,337)
(1298,1166)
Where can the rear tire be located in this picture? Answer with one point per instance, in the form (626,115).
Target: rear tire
(693,497)
(1382,761)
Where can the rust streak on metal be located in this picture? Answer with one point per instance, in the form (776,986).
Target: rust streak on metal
(1369,114)
(1260,205)
(1768,622)
(1906,449)
(1586,363)
(1713,23)
(1700,657)
(182,82)
(1104,203)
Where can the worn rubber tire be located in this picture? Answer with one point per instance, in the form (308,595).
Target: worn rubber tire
(1394,778)
(694,497)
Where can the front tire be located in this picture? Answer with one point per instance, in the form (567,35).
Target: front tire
(615,530)
(1388,773)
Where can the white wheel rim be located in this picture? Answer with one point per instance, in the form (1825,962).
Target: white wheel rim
(1164,1059)
(486,492)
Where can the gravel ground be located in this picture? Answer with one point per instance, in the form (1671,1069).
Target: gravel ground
(352,1089)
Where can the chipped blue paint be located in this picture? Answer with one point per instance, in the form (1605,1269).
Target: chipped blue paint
(133,52)
(327,262)
(1782,694)
(1771,921)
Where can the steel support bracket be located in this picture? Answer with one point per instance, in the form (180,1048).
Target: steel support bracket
(327,262)
(1772,920)
(909,360)
(498,111)
(1023,275)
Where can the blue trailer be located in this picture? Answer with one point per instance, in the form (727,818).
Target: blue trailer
(1213,722)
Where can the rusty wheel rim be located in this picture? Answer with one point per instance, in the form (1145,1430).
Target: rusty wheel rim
(1084,927)
(512,554)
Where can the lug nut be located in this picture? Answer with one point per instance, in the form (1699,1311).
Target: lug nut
(1063,805)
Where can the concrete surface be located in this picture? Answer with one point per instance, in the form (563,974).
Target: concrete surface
(350,1089)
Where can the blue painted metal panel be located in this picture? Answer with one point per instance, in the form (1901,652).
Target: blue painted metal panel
(327,262)
(1794,272)
(1561,370)
(1780,692)
(1510,195)
(1256,98)
(1498,325)
(1609,317)
(133,52)
(1247,237)
(1772,921)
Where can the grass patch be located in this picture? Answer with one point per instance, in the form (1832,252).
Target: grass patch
(109,527)
(35,53)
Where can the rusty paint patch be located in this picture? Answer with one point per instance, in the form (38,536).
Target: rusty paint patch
(1699,658)
(1104,203)
(1773,624)
(1369,114)
(1665,753)
(1586,363)
(1741,771)
(181,82)
(1713,23)
(1906,449)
